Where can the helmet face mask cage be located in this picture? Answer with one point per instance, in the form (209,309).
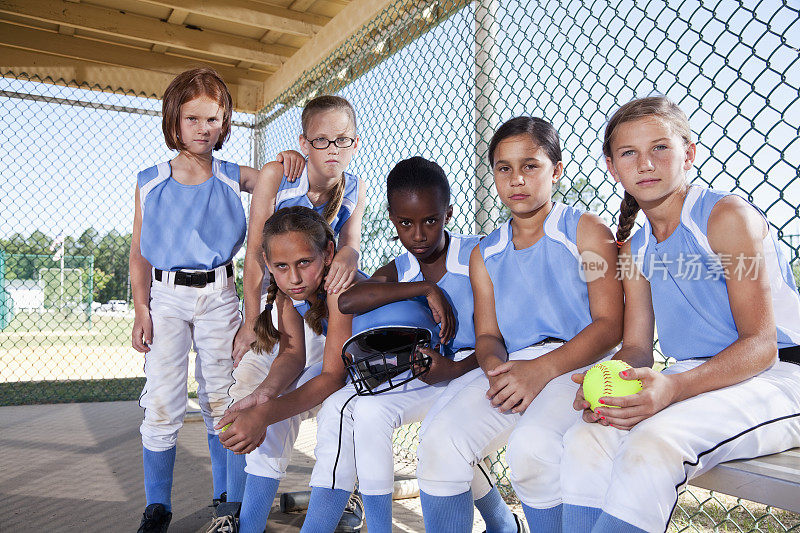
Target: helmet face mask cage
(375,358)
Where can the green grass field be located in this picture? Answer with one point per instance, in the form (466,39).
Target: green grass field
(62,357)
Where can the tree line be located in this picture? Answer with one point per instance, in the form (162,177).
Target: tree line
(110,253)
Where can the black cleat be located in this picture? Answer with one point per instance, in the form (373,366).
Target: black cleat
(222,498)
(226,518)
(155,519)
(352,519)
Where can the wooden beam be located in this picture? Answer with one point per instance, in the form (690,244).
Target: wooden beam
(336,32)
(251,14)
(75,47)
(73,72)
(178,16)
(116,23)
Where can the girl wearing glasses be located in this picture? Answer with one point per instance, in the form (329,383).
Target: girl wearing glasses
(298,249)
(354,433)
(329,139)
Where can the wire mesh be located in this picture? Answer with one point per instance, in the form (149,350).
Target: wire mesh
(70,158)
(440,78)
(430,78)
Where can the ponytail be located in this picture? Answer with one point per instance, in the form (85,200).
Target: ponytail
(267,335)
(319,309)
(333,205)
(628,210)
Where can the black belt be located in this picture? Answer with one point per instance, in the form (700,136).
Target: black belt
(195,279)
(548,340)
(790,354)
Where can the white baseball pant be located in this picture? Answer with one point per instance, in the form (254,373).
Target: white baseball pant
(468,428)
(272,458)
(354,436)
(254,367)
(206,317)
(636,475)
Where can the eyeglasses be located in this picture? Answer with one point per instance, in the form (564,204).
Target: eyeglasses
(321,143)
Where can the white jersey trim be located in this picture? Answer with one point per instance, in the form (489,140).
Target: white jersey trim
(453,252)
(413,268)
(552,231)
(164,172)
(294,192)
(686,217)
(638,254)
(216,169)
(500,245)
(785,301)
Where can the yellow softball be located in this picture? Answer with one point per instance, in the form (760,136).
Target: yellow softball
(603,380)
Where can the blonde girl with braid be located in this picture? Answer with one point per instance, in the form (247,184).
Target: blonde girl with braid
(706,271)
(298,248)
(329,139)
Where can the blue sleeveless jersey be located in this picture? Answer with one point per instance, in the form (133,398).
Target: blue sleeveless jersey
(454,283)
(292,194)
(198,227)
(687,283)
(302,307)
(538,291)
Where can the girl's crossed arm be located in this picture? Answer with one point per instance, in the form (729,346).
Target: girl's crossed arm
(383,288)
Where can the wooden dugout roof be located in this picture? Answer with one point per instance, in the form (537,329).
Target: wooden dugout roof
(260,47)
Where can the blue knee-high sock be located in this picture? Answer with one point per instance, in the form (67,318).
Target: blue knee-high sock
(325,508)
(219,459)
(158,468)
(496,514)
(236,476)
(578,519)
(378,512)
(258,495)
(447,513)
(610,524)
(543,519)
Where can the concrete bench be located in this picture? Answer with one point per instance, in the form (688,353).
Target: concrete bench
(773,480)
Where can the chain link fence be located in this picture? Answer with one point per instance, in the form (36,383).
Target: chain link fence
(430,78)
(437,79)
(69,162)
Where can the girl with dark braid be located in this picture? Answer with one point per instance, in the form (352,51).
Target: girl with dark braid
(705,271)
(298,248)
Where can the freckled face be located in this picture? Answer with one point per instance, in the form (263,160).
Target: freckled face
(201,124)
(523,174)
(296,265)
(648,159)
(420,218)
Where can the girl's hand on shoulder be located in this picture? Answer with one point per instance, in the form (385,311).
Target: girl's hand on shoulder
(658,391)
(580,403)
(242,342)
(441,369)
(293,164)
(142,334)
(246,431)
(442,313)
(342,271)
(516,385)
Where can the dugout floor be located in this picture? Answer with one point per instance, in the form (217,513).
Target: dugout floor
(77,467)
